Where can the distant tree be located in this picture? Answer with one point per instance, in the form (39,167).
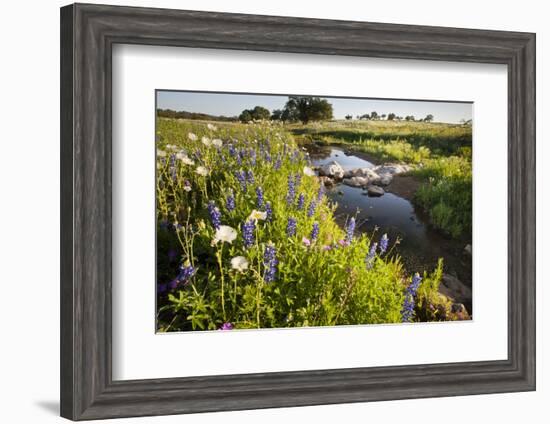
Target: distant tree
(305,109)
(391,116)
(365,116)
(258,113)
(409,118)
(349,117)
(245,116)
(374,115)
(383,116)
(277,115)
(429,118)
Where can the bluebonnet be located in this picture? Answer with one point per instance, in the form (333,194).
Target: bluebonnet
(300,204)
(267,157)
(253,157)
(291,227)
(291,193)
(350,229)
(298,179)
(248,232)
(183,277)
(370,257)
(315,231)
(259,197)
(230,202)
(270,263)
(232,150)
(311,209)
(215,214)
(410,295)
(384,244)
(241,177)
(321,193)
(278,163)
(268,212)
(250,177)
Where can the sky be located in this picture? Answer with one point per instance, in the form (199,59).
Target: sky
(229,104)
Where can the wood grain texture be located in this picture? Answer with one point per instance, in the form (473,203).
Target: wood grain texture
(88,33)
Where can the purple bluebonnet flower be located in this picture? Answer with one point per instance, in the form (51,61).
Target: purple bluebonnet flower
(278,163)
(253,157)
(215,214)
(241,177)
(298,179)
(291,193)
(183,277)
(384,244)
(410,295)
(267,157)
(226,326)
(291,227)
(172,159)
(268,212)
(315,231)
(259,197)
(311,209)
(250,176)
(321,193)
(370,257)
(350,229)
(197,154)
(232,150)
(248,232)
(301,200)
(270,263)
(230,202)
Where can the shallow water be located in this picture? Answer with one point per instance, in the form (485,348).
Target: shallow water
(420,245)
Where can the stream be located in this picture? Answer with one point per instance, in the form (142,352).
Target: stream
(420,245)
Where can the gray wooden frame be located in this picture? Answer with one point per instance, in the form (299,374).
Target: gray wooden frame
(88,33)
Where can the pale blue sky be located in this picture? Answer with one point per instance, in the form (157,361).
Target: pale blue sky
(228,104)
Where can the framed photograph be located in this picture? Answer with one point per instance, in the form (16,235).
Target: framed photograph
(264,211)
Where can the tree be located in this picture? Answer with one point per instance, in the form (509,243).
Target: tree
(365,116)
(305,109)
(383,116)
(391,116)
(258,113)
(349,117)
(374,115)
(409,118)
(277,115)
(245,116)
(429,118)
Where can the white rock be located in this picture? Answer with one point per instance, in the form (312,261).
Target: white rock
(356,181)
(375,191)
(332,169)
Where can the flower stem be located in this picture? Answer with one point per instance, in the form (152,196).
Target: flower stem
(219,255)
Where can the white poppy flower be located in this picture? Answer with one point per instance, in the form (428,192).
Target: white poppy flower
(239,263)
(225,234)
(184,158)
(161,153)
(206,141)
(201,170)
(192,136)
(308,171)
(257,215)
(217,142)
(211,127)
(187,188)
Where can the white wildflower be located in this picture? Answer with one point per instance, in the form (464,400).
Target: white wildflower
(184,158)
(211,127)
(206,141)
(192,137)
(239,263)
(161,153)
(187,188)
(201,170)
(225,234)
(308,171)
(257,215)
(217,142)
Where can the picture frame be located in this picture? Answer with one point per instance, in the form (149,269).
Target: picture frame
(88,33)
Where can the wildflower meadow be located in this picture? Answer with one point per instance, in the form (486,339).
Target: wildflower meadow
(247,238)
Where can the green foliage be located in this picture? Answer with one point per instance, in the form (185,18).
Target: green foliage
(318,282)
(257,114)
(306,109)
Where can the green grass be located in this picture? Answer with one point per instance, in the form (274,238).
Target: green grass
(441,153)
(317,282)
